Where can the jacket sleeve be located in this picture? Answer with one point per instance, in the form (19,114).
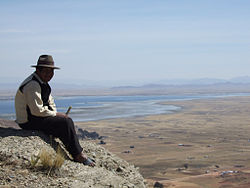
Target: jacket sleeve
(52,103)
(32,93)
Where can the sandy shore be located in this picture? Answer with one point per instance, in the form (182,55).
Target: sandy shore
(204,137)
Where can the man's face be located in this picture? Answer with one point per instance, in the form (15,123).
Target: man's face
(45,74)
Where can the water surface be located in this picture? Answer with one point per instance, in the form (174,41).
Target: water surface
(88,108)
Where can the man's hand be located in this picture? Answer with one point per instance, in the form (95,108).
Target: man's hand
(60,114)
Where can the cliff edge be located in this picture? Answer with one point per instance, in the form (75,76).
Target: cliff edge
(18,146)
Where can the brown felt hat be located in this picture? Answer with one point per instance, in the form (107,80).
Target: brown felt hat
(45,61)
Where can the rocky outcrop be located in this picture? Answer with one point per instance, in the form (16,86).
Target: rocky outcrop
(84,134)
(18,146)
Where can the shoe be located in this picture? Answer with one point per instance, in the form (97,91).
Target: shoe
(82,158)
(89,162)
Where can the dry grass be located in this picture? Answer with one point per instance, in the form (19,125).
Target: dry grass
(59,158)
(48,160)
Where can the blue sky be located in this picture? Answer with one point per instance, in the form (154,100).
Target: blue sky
(126,41)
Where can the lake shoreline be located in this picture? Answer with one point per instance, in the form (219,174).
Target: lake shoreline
(92,108)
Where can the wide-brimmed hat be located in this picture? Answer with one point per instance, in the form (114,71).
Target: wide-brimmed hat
(45,61)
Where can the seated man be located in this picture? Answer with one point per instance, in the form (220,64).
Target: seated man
(36,110)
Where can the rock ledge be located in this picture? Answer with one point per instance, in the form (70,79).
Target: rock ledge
(17,146)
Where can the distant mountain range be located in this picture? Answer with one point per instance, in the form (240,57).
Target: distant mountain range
(243,79)
(205,81)
(161,83)
(192,82)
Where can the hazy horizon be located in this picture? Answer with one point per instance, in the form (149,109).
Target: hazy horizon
(88,84)
(126,42)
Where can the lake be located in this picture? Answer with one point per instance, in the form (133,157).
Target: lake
(90,108)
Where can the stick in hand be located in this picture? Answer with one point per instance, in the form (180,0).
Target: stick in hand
(68,110)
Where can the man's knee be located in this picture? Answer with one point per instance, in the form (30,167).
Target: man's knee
(68,122)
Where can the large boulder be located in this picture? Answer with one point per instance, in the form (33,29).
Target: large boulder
(18,146)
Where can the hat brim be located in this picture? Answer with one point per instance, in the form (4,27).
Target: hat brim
(47,66)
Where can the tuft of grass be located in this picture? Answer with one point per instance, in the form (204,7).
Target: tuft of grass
(34,160)
(59,158)
(47,160)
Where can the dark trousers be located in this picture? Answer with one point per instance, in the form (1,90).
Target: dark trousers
(60,127)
